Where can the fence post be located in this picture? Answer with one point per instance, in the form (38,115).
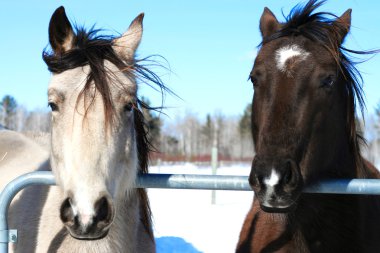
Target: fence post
(214,158)
(214,165)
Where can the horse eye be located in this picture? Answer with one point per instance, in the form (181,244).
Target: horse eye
(53,106)
(328,82)
(128,107)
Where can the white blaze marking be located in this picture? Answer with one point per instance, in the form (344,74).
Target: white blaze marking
(273,179)
(285,53)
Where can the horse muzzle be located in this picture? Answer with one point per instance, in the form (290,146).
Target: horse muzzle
(277,183)
(88,227)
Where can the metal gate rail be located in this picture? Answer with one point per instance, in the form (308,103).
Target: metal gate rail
(173,181)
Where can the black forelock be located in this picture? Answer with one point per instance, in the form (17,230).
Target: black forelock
(89,48)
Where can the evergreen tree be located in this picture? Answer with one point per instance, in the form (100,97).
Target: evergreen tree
(8,107)
(245,122)
(207,133)
(245,133)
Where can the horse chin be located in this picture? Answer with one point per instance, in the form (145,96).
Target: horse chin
(88,237)
(274,209)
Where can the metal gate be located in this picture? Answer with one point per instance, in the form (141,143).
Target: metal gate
(173,181)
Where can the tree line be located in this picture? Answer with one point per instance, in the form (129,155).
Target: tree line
(191,138)
(18,118)
(188,137)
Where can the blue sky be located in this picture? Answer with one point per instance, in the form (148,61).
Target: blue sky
(210,46)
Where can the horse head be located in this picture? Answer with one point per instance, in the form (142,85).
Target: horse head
(303,108)
(92,95)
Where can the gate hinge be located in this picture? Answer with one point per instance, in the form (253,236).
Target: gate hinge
(7,236)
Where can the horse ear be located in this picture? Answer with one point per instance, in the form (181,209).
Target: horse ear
(268,23)
(343,24)
(126,45)
(61,34)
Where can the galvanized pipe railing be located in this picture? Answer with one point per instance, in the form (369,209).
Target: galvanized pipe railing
(173,181)
(240,183)
(6,196)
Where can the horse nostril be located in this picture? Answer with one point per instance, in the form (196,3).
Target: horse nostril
(291,174)
(288,176)
(254,179)
(66,212)
(104,210)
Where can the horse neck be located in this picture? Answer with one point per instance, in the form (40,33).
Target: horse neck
(345,156)
(122,236)
(127,208)
(269,232)
(345,162)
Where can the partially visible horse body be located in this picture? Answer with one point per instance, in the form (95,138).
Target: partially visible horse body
(14,145)
(98,146)
(303,127)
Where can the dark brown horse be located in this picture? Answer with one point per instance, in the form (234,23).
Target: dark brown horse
(303,126)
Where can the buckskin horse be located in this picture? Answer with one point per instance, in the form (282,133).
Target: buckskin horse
(98,146)
(306,89)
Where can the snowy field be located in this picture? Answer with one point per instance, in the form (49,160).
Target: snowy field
(185,221)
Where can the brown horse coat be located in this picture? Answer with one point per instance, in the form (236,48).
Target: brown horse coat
(304,130)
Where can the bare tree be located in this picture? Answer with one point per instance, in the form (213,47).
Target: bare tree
(37,121)
(193,137)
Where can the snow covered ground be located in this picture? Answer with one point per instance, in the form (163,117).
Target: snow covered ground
(185,221)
